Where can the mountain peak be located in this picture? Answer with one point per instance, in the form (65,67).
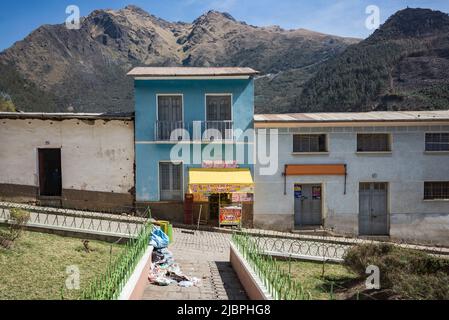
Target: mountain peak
(413,22)
(213,15)
(135,9)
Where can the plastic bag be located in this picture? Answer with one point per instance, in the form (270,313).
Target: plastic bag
(158,238)
(185,284)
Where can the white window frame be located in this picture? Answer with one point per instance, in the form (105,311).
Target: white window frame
(218,95)
(169,95)
(159,179)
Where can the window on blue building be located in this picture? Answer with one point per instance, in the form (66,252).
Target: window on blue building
(170,181)
(219,114)
(169,115)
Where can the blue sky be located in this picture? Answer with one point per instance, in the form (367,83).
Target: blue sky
(341,17)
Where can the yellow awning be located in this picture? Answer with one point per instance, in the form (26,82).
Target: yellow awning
(214,180)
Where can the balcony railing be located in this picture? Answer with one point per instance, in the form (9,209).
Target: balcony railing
(196,131)
(218,130)
(170,131)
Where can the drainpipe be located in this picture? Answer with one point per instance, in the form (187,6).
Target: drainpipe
(285,179)
(346,176)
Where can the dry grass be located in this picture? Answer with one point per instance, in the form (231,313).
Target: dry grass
(310,275)
(404,273)
(35,268)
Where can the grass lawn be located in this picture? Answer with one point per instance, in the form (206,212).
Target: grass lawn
(309,274)
(35,268)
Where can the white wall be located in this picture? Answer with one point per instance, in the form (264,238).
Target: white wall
(405,169)
(95,155)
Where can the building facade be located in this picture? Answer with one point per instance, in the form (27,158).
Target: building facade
(82,161)
(361,174)
(189,119)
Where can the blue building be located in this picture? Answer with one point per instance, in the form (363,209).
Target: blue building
(194,135)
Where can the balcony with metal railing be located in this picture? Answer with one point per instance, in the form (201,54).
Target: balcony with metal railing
(207,131)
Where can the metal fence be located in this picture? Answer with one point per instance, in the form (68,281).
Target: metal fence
(109,285)
(77,221)
(331,246)
(278,282)
(301,249)
(195,131)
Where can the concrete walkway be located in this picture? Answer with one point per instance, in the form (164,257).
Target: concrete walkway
(204,255)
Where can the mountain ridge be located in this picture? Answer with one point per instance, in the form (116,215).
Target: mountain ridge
(85,70)
(403,65)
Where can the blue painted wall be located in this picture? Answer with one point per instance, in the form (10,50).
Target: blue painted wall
(149,154)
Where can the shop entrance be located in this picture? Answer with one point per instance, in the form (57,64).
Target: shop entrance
(215,201)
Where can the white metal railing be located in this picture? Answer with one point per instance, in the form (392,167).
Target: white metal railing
(198,130)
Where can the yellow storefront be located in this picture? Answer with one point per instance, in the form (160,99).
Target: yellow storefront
(222,196)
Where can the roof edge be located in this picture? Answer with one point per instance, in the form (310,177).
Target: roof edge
(185,72)
(66,116)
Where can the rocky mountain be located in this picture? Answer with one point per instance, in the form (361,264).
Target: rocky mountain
(57,69)
(404,65)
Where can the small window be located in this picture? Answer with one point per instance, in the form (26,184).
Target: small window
(437,141)
(170,181)
(309,143)
(379,142)
(436,190)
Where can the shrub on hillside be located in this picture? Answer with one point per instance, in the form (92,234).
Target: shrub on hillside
(407,273)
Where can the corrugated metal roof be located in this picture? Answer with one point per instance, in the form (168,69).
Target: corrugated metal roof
(355,116)
(191,71)
(60,116)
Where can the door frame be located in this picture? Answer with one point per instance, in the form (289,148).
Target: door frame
(39,172)
(321,184)
(387,207)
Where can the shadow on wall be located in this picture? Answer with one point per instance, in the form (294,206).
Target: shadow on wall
(232,286)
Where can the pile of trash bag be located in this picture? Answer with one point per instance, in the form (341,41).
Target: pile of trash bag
(163,270)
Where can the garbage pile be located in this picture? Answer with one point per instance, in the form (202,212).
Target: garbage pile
(164,271)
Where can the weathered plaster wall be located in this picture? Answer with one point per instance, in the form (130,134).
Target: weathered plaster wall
(405,169)
(97,158)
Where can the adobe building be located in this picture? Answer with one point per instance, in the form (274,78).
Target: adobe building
(82,161)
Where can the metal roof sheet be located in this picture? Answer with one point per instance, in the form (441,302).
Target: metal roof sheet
(60,116)
(355,116)
(191,71)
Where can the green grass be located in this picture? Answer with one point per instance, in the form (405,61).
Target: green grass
(35,268)
(310,275)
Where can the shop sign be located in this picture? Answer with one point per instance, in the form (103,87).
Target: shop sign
(298,191)
(221,188)
(242,197)
(221,164)
(230,216)
(316,193)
